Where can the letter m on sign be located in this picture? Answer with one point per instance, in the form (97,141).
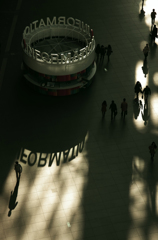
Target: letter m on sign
(51,159)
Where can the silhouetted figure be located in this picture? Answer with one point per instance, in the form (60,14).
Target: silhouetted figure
(113,108)
(153,16)
(13,197)
(145,114)
(146,92)
(146,51)
(18,170)
(153,34)
(97,50)
(142,4)
(152,149)
(124,107)
(142,12)
(109,51)
(103,108)
(138,89)
(145,68)
(102,53)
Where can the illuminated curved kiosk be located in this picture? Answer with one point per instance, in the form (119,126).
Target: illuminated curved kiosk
(58,55)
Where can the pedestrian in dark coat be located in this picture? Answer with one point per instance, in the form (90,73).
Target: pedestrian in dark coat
(103,108)
(153,34)
(153,16)
(146,51)
(18,170)
(97,50)
(146,92)
(102,53)
(124,107)
(109,51)
(138,88)
(113,108)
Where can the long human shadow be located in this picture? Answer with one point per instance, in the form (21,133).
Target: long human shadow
(150,179)
(145,114)
(137,107)
(13,198)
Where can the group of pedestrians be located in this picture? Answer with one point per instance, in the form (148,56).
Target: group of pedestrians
(138,89)
(113,108)
(124,106)
(153,26)
(101,51)
(153,34)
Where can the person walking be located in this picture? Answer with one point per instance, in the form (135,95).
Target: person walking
(153,34)
(146,92)
(146,51)
(102,53)
(152,149)
(153,16)
(103,108)
(124,107)
(113,108)
(97,50)
(109,51)
(18,170)
(138,88)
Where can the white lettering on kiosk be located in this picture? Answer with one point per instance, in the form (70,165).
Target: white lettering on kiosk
(38,56)
(61,20)
(71,19)
(45,57)
(78,23)
(42,23)
(54,21)
(35,24)
(59,58)
(54,58)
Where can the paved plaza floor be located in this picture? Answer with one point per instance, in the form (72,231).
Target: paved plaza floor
(84,177)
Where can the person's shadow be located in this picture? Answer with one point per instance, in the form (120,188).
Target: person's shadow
(137,106)
(145,68)
(153,48)
(145,115)
(13,197)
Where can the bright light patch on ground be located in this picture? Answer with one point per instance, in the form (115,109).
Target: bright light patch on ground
(155,78)
(48,199)
(137,206)
(143,197)
(139,75)
(154,108)
(148,7)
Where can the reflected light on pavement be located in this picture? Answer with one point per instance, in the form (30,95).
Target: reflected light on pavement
(139,76)
(155,78)
(148,7)
(154,109)
(138,202)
